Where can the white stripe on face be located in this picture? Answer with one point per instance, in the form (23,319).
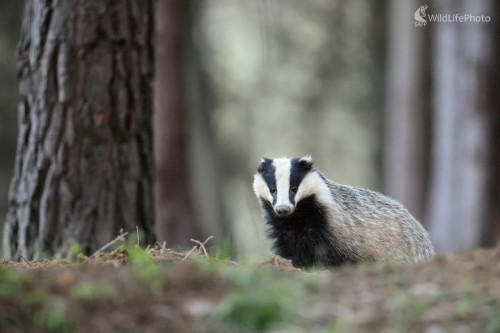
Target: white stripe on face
(260,188)
(282,174)
(313,184)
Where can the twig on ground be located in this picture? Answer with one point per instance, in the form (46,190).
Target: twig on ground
(187,254)
(26,261)
(117,239)
(137,228)
(18,253)
(202,245)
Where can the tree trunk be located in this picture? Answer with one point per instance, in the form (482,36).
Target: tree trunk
(205,156)
(10,23)
(175,219)
(464,115)
(407,117)
(84,162)
(490,234)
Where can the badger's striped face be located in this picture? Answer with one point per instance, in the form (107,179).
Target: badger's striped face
(279,182)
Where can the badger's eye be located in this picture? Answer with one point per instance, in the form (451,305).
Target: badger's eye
(273,190)
(293,189)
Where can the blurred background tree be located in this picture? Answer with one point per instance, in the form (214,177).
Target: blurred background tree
(407,134)
(175,217)
(188,184)
(10,27)
(464,198)
(377,101)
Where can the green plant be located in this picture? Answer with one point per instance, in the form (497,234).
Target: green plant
(223,251)
(494,324)
(259,302)
(91,291)
(55,319)
(253,310)
(11,282)
(74,250)
(146,269)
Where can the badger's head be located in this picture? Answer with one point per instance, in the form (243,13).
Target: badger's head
(279,182)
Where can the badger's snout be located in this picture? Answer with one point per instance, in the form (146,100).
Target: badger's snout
(283,209)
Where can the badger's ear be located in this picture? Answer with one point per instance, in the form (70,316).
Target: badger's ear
(306,162)
(262,165)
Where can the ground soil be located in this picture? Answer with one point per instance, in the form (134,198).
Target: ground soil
(191,292)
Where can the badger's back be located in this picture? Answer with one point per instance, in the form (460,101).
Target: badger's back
(376,227)
(331,224)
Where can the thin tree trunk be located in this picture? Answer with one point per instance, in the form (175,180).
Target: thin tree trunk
(462,148)
(407,117)
(490,235)
(175,218)
(10,23)
(206,159)
(84,159)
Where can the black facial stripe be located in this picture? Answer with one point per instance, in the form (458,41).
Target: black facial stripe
(268,172)
(297,173)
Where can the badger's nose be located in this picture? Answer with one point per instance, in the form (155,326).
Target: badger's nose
(283,209)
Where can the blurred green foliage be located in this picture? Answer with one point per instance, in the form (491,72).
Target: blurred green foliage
(223,250)
(22,299)
(259,301)
(55,319)
(93,291)
(11,282)
(252,298)
(146,269)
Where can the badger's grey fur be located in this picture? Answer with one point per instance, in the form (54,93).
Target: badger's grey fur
(313,220)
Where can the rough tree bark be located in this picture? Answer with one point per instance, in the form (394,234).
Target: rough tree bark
(84,161)
(464,181)
(175,219)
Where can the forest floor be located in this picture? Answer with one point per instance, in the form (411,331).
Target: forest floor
(159,290)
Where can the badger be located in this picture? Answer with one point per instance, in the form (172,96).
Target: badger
(315,222)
